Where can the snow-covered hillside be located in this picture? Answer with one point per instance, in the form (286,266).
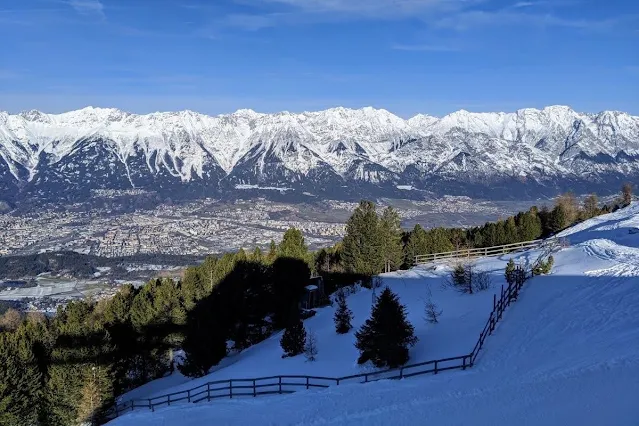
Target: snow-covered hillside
(95,148)
(567,352)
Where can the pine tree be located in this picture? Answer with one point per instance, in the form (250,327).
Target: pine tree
(385,337)
(438,240)
(193,287)
(96,392)
(529,226)
(257,255)
(363,245)
(205,340)
(293,339)
(289,277)
(458,276)
(343,315)
(240,256)
(511,234)
(391,236)
(272,253)
(417,245)
(20,381)
(293,245)
(510,272)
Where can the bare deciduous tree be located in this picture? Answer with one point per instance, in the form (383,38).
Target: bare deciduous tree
(432,312)
(310,348)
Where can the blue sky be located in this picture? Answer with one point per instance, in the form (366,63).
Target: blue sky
(408,56)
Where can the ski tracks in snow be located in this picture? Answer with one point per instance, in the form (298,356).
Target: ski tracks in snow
(626,259)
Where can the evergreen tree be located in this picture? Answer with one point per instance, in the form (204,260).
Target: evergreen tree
(272,253)
(223,267)
(363,245)
(385,337)
(95,393)
(289,277)
(529,225)
(240,256)
(499,233)
(458,276)
(257,255)
(510,231)
(193,287)
(293,245)
(81,343)
(417,245)
(205,340)
(293,339)
(391,236)
(343,315)
(20,381)
(510,272)
(438,241)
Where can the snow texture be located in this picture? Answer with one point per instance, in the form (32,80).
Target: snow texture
(567,352)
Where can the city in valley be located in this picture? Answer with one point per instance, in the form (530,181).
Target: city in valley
(134,245)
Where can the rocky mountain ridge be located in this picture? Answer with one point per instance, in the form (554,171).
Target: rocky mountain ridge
(338,152)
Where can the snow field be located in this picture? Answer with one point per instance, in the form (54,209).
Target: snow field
(566,353)
(463,318)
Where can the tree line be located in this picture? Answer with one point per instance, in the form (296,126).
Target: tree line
(68,369)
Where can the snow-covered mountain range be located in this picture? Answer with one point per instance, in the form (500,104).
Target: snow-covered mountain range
(337,151)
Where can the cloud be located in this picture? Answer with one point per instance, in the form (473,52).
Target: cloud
(523,4)
(251,22)
(477,18)
(425,48)
(88,7)
(329,10)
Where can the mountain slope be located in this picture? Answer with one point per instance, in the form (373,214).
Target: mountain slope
(567,352)
(365,150)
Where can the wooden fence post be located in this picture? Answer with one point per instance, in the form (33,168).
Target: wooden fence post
(494,301)
(168,400)
(401,373)
(435,366)
(254,389)
(231,388)
(280,377)
(151,406)
(188,395)
(306,382)
(464,363)
(208,392)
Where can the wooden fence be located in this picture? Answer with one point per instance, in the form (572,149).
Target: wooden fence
(476,252)
(238,388)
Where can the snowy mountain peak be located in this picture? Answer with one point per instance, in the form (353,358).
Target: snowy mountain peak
(552,147)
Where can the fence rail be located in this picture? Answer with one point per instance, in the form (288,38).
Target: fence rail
(284,384)
(475,252)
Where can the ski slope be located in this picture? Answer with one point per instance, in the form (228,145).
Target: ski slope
(566,353)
